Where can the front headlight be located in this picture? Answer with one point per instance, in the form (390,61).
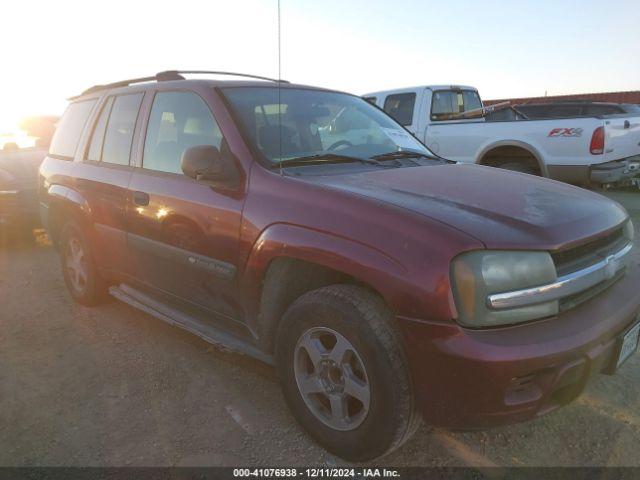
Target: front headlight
(478,274)
(628,231)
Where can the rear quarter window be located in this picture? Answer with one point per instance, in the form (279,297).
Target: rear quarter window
(65,140)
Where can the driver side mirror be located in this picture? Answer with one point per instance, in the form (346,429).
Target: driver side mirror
(206,163)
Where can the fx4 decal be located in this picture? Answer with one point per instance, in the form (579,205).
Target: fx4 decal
(565,132)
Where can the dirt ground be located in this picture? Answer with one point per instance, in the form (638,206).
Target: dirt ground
(111,386)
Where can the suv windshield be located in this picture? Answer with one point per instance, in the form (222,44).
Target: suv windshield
(294,123)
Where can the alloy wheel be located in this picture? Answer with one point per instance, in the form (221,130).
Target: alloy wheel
(76,263)
(332,378)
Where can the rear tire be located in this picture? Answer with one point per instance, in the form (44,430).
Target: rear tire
(344,372)
(81,275)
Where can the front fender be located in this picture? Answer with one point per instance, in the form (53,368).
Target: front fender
(373,267)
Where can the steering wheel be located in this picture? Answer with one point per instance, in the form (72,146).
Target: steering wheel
(340,143)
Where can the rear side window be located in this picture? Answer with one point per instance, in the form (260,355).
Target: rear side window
(448,104)
(179,120)
(400,107)
(120,127)
(97,139)
(65,141)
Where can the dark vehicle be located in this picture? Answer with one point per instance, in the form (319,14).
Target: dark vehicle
(306,228)
(19,188)
(575,109)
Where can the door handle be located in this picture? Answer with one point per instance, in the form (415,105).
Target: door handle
(141,198)
(626,124)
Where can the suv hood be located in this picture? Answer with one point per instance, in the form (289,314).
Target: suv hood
(500,208)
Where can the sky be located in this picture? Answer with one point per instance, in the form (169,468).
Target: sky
(53,50)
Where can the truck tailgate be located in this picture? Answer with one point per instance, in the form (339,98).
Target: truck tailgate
(622,137)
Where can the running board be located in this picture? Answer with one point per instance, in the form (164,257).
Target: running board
(209,333)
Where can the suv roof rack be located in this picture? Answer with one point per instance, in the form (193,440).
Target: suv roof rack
(212,72)
(169,75)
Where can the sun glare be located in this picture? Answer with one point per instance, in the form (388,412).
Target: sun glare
(17,138)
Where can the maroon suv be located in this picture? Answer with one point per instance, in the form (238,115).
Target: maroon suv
(306,228)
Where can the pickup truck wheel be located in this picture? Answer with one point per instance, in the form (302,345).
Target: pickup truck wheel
(78,267)
(344,373)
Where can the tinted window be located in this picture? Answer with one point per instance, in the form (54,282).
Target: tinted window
(372,100)
(448,104)
(179,120)
(122,121)
(97,139)
(65,141)
(400,107)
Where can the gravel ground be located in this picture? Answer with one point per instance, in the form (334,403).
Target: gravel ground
(111,386)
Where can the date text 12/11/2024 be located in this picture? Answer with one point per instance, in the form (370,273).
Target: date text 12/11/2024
(326,472)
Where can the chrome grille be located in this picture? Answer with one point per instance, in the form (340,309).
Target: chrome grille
(574,300)
(582,256)
(577,285)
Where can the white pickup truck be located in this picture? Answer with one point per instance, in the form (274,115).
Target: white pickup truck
(453,123)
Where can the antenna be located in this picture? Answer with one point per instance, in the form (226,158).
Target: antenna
(279,88)
(279,47)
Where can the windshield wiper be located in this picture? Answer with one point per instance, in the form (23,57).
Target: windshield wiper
(398,154)
(323,158)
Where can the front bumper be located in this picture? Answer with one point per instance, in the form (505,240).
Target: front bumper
(471,379)
(599,173)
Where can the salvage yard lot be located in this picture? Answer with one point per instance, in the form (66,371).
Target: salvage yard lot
(112,386)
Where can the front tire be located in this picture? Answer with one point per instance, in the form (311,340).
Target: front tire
(344,372)
(81,275)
